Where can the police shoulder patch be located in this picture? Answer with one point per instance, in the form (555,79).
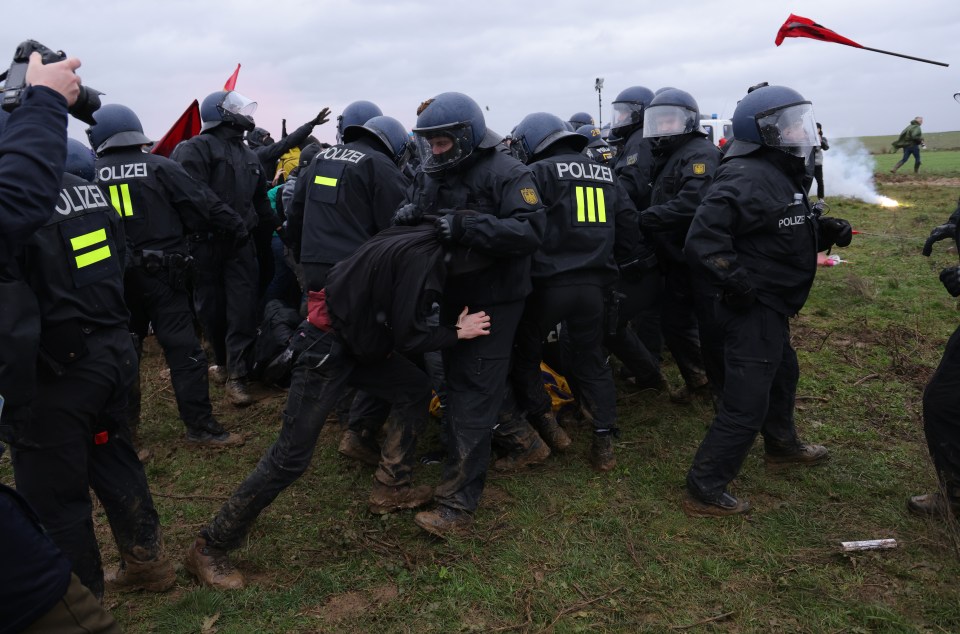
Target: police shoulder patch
(631,159)
(699,169)
(529,195)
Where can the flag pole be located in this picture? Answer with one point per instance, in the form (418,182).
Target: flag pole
(918,59)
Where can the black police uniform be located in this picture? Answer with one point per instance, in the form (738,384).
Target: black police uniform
(634,169)
(32,143)
(572,272)
(76,437)
(347,194)
(502,225)
(600,152)
(225,282)
(159,203)
(753,236)
(683,170)
(377,303)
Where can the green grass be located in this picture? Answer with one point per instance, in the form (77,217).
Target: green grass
(563,549)
(941,163)
(934,141)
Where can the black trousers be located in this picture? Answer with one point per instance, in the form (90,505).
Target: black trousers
(225,298)
(151,299)
(581,308)
(759,390)
(941,415)
(323,372)
(476,371)
(58,458)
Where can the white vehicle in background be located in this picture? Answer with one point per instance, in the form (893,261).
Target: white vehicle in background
(717,129)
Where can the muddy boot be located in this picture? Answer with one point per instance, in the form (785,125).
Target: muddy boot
(217,374)
(803,455)
(210,434)
(152,575)
(237,393)
(551,431)
(721,505)
(536,453)
(387,499)
(444,521)
(356,447)
(601,451)
(936,504)
(212,567)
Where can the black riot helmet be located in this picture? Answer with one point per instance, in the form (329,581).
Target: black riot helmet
(580,119)
(115,126)
(449,128)
(539,131)
(670,114)
(227,107)
(258,137)
(387,131)
(592,134)
(628,110)
(777,117)
(357,113)
(80,160)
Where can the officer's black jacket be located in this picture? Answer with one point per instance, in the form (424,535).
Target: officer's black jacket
(681,177)
(348,193)
(220,159)
(159,202)
(599,152)
(585,219)
(75,262)
(33,149)
(504,226)
(379,297)
(754,230)
(268,155)
(634,169)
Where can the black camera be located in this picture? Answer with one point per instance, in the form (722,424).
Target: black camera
(87,102)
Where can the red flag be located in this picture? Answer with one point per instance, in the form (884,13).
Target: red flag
(232,82)
(188,125)
(796,26)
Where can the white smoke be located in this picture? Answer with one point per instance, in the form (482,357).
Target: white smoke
(848,171)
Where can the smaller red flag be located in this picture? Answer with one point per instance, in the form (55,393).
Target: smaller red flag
(232,82)
(796,26)
(188,125)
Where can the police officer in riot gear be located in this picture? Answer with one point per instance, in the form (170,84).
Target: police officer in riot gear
(225,282)
(684,165)
(573,273)
(635,159)
(356,113)
(159,204)
(597,148)
(753,242)
(490,213)
(75,437)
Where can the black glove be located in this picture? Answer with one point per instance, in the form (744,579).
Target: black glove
(951,280)
(409,214)
(739,300)
(939,233)
(450,228)
(322,117)
(241,239)
(834,231)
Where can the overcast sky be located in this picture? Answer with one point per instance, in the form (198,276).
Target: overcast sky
(513,57)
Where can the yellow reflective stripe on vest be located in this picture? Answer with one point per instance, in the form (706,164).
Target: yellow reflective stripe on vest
(325,180)
(120,193)
(92,257)
(88,239)
(591,205)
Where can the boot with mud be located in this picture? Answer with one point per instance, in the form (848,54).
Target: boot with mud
(238,393)
(212,567)
(141,573)
(359,448)
(800,455)
(389,499)
(210,433)
(940,503)
(601,451)
(551,431)
(444,521)
(535,453)
(720,505)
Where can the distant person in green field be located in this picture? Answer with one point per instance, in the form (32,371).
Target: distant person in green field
(910,141)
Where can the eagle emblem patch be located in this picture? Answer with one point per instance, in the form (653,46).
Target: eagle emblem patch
(699,169)
(529,196)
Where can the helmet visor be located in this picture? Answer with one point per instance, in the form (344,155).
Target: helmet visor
(625,113)
(792,128)
(442,147)
(669,120)
(236,103)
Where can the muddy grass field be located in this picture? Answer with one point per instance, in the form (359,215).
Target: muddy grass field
(560,548)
